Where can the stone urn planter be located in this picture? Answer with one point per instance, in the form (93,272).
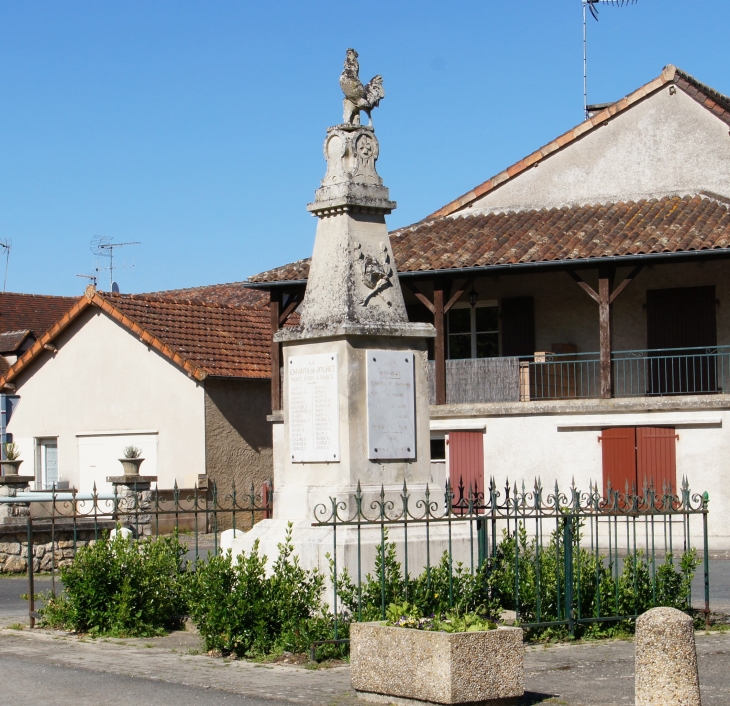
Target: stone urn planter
(413,666)
(131,466)
(11,468)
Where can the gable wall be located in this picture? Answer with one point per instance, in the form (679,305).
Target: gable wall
(104,379)
(666,144)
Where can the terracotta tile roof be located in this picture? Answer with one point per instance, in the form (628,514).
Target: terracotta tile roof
(202,339)
(33,312)
(711,99)
(225,341)
(233,294)
(10,341)
(672,224)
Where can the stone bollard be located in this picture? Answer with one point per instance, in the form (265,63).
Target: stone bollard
(666,660)
(134,498)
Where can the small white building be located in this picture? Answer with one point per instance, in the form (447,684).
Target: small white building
(581,300)
(185,381)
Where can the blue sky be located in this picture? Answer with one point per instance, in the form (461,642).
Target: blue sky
(197,127)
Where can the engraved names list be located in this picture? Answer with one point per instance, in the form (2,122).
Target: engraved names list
(314,423)
(391,405)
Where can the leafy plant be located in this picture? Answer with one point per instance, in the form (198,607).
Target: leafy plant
(119,588)
(132,452)
(239,609)
(12,452)
(404,615)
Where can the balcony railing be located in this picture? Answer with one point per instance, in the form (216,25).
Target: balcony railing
(634,373)
(552,376)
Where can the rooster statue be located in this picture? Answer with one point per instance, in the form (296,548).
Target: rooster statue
(357,96)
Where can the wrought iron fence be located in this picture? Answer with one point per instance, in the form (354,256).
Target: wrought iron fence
(63,521)
(557,559)
(635,373)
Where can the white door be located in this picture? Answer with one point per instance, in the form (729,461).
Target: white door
(99,455)
(48,457)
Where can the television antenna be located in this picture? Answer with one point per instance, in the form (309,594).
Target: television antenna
(592,7)
(103,246)
(7,246)
(93,278)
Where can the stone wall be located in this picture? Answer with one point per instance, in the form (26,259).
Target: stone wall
(14,544)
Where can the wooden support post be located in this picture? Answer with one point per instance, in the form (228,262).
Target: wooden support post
(439,344)
(604,319)
(275,306)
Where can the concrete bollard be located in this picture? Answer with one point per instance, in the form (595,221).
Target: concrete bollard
(666,660)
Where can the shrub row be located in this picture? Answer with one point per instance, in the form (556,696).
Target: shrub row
(123,588)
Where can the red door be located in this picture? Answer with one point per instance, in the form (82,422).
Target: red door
(466,463)
(618,448)
(656,459)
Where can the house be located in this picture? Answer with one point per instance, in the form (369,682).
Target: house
(186,381)
(581,300)
(23,319)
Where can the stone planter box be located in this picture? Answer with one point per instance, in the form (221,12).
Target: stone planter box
(402,665)
(131,465)
(11,468)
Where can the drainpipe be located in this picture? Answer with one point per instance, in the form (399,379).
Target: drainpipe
(3,423)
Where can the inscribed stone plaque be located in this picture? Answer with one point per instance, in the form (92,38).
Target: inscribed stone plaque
(391,405)
(314,420)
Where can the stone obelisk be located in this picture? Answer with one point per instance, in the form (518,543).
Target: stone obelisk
(355,386)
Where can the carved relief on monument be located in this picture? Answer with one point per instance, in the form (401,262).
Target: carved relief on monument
(376,272)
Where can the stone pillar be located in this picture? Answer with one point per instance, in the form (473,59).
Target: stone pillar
(134,502)
(10,485)
(666,660)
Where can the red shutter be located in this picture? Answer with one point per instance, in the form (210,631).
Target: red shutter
(656,455)
(466,461)
(619,458)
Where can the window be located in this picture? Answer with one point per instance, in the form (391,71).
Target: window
(639,456)
(474,331)
(438,449)
(46,463)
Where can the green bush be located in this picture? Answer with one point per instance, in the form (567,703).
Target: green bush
(119,587)
(239,609)
(539,595)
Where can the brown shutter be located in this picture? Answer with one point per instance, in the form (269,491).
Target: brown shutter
(656,455)
(618,448)
(681,318)
(466,462)
(518,326)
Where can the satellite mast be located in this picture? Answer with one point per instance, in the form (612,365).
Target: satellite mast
(7,246)
(592,6)
(103,246)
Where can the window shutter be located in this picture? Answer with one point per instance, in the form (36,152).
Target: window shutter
(466,461)
(518,326)
(618,448)
(656,455)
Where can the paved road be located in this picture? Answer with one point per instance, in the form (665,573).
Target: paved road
(34,684)
(59,669)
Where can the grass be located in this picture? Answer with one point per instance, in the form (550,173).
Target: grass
(16,626)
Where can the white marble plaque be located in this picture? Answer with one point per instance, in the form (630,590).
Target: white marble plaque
(391,405)
(314,419)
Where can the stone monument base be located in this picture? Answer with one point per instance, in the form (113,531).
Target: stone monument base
(313,544)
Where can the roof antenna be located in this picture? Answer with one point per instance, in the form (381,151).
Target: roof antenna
(103,246)
(93,278)
(592,6)
(7,246)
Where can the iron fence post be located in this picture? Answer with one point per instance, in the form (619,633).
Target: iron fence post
(705,501)
(568,559)
(31,589)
